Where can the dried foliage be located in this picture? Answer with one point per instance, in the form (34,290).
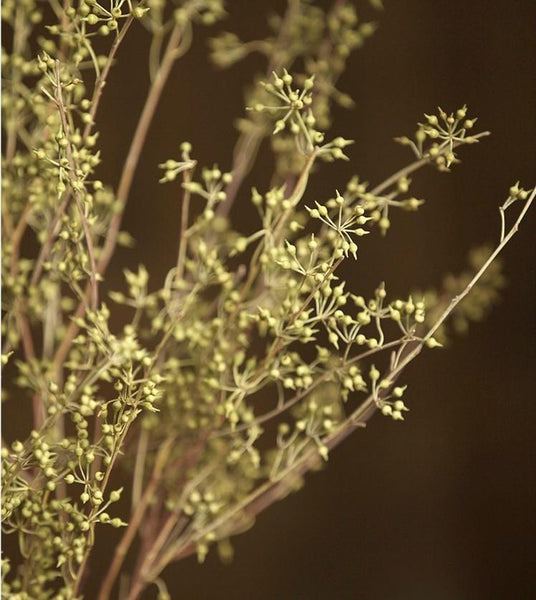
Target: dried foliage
(173,397)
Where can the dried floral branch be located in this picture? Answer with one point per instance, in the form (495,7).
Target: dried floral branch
(255,357)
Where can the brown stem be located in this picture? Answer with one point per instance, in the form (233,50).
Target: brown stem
(29,354)
(102,78)
(20,36)
(137,144)
(135,521)
(16,237)
(246,150)
(247,145)
(72,330)
(174,523)
(141,578)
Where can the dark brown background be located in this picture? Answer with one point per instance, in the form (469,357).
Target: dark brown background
(443,506)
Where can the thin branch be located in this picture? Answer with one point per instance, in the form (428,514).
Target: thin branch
(52,233)
(272,490)
(504,241)
(139,468)
(247,145)
(127,177)
(100,83)
(414,166)
(280,409)
(135,521)
(137,144)
(72,164)
(20,35)
(183,242)
(103,76)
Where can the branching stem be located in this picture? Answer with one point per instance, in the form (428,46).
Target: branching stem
(273,489)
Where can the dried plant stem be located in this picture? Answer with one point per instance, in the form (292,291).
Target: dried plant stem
(134,523)
(272,490)
(138,141)
(183,241)
(175,523)
(127,177)
(247,145)
(97,94)
(78,200)
(29,354)
(302,393)
(53,231)
(21,318)
(414,166)
(16,234)
(19,39)
(140,578)
(503,242)
(102,78)
(246,150)
(139,468)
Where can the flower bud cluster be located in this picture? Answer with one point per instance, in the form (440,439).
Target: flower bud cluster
(437,138)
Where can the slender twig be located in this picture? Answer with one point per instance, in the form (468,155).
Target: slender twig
(139,468)
(7,221)
(164,535)
(52,233)
(20,34)
(103,76)
(134,523)
(16,236)
(280,409)
(100,83)
(29,354)
(183,241)
(153,557)
(136,146)
(504,241)
(76,187)
(21,317)
(127,177)
(248,143)
(414,166)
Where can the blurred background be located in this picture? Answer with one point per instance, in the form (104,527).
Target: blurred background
(443,506)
